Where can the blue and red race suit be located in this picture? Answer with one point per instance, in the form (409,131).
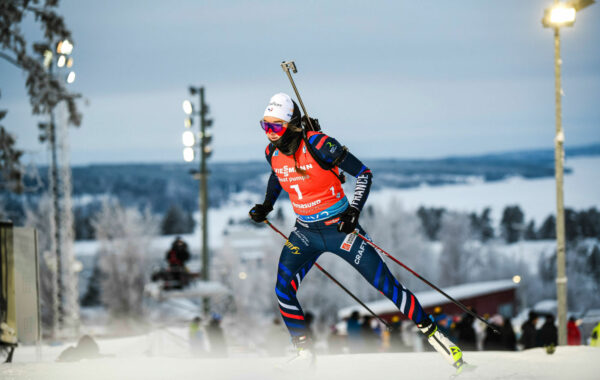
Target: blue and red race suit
(316,193)
(318,198)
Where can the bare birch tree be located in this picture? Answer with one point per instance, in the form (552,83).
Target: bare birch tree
(124,235)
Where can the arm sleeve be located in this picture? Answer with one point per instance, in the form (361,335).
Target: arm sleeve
(273,190)
(273,186)
(330,150)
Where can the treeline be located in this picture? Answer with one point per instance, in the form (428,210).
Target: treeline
(513,226)
(159,185)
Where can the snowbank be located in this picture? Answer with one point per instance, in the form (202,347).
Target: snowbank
(581,363)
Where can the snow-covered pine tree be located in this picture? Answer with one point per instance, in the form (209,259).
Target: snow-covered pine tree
(455,255)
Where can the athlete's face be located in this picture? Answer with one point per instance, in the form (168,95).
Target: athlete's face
(272,136)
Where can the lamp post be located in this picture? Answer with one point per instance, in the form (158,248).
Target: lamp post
(557,16)
(204,152)
(63,61)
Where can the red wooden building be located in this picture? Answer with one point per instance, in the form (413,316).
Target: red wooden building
(490,297)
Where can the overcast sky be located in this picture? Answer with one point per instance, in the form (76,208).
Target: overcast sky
(387,79)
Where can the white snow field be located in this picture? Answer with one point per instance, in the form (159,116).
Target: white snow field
(536,197)
(580,363)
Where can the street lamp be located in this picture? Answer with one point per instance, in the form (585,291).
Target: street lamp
(71,77)
(188,139)
(204,152)
(557,16)
(187,107)
(58,187)
(188,154)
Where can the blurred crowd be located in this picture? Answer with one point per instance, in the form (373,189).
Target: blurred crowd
(365,334)
(547,335)
(207,340)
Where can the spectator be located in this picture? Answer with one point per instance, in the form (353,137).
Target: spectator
(549,333)
(369,335)
(528,332)
(573,333)
(354,336)
(442,320)
(509,339)
(308,319)
(493,341)
(216,338)
(466,333)
(179,253)
(594,338)
(480,329)
(396,339)
(176,257)
(197,337)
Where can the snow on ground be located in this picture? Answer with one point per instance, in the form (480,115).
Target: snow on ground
(536,197)
(581,363)
(529,252)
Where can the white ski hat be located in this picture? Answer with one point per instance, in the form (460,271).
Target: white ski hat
(281,107)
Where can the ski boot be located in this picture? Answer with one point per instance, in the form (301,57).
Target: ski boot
(305,358)
(450,351)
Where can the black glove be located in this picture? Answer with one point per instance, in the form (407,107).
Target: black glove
(348,220)
(259,212)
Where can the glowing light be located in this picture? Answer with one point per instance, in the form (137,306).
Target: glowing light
(61,61)
(188,138)
(77,266)
(187,107)
(516,279)
(242,275)
(47,58)
(71,77)
(562,14)
(64,47)
(188,154)
(208,149)
(187,122)
(70,62)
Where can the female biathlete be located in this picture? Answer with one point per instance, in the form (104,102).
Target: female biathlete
(325,221)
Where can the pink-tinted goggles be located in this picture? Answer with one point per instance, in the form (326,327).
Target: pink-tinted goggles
(277,128)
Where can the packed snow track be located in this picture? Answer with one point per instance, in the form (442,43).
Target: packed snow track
(579,363)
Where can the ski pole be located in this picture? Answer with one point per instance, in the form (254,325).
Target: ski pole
(456,302)
(291,65)
(336,281)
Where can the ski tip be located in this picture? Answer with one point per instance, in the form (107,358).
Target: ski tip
(464,368)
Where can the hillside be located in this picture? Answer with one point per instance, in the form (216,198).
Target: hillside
(162,184)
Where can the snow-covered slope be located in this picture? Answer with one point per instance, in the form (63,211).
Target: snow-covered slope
(580,363)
